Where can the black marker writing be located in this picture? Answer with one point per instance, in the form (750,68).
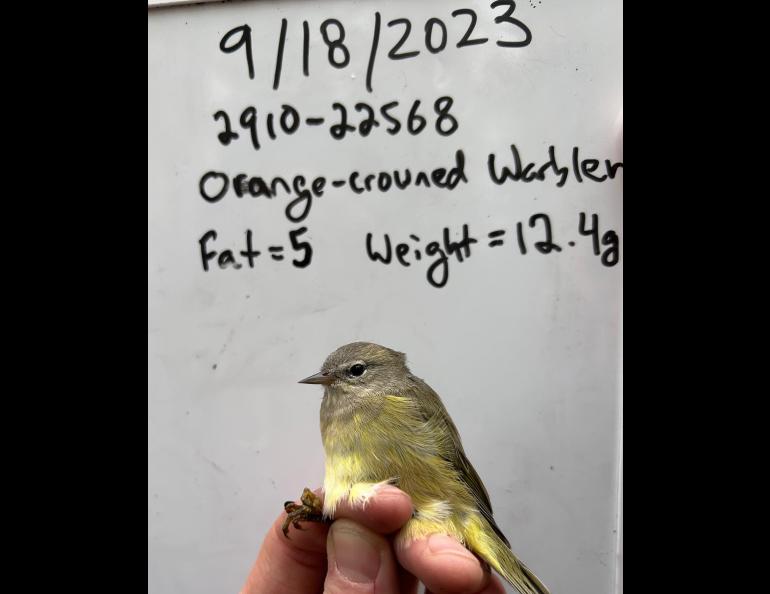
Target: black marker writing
(403,40)
(531,172)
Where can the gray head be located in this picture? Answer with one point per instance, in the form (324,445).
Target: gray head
(361,365)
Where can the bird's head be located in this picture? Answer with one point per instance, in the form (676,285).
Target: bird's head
(360,365)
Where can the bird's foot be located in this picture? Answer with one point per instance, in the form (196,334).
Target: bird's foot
(311,510)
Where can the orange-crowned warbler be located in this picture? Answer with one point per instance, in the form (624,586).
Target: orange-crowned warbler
(381,424)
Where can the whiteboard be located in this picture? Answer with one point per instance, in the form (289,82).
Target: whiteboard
(518,332)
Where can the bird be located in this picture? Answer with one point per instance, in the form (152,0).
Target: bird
(380,424)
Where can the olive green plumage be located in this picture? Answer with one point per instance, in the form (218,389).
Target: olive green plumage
(380,423)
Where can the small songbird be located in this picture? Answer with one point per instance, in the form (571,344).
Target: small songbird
(381,424)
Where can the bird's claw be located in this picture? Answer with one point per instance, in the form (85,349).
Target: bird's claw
(311,510)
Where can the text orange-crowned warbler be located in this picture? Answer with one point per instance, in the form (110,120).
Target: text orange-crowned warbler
(380,423)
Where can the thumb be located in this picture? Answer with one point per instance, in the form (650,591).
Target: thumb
(360,561)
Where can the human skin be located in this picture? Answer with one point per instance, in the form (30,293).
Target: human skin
(355,554)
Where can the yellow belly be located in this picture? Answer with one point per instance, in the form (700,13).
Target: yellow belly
(399,448)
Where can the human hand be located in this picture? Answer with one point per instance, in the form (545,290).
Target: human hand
(355,554)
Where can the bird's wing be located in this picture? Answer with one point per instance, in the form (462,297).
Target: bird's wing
(434,412)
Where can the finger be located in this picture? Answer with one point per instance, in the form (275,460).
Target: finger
(444,565)
(407,583)
(495,586)
(384,512)
(360,561)
(294,565)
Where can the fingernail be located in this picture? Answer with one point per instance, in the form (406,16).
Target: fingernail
(355,556)
(441,543)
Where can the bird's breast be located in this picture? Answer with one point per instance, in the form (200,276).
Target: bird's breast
(394,443)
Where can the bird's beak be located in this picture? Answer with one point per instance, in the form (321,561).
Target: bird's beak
(318,378)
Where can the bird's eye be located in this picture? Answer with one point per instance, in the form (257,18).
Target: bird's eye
(357,369)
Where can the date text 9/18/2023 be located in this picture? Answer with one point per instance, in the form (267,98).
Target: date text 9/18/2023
(512,32)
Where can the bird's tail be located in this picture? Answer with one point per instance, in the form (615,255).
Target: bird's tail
(483,541)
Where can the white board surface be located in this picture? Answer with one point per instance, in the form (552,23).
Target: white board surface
(524,348)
